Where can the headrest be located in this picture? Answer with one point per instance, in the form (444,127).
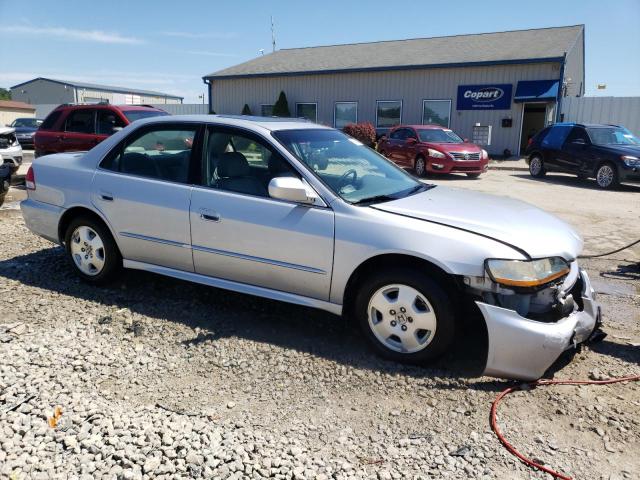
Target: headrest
(233,164)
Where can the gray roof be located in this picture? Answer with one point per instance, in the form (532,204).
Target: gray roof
(501,47)
(95,86)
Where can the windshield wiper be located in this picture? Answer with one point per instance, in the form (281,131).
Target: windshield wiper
(375,199)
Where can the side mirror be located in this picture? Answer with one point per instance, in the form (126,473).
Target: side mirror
(291,189)
(465,140)
(411,141)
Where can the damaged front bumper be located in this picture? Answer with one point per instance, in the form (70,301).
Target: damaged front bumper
(523,349)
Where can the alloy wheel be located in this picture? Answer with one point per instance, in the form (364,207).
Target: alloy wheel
(87,250)
(401,318)
(419,167)
(535,166)
(605,176)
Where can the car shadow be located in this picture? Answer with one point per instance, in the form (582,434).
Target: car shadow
(574,181)
(626,352)
(220,313)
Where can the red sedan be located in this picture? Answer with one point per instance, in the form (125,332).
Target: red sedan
(433,149)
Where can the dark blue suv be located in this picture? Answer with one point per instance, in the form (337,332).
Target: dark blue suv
(608,153)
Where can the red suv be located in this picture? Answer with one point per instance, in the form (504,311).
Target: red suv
(433,149)
(79,128)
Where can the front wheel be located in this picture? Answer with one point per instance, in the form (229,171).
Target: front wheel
(405,316)
(419,167)
(92,251)
(536,167)
(607,176)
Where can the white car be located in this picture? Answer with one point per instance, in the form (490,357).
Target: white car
(297,212)
(10,148)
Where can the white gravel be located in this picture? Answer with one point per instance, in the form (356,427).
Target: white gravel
(158,378)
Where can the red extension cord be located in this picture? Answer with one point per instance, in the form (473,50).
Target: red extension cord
(528,386)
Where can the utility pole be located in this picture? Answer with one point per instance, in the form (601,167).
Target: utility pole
(273,35)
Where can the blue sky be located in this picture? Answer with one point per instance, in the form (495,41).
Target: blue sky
(168,45)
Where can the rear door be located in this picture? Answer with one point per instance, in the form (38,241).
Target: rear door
(552,147)
(143,188)
(576,152)
(396,143)
(79,131)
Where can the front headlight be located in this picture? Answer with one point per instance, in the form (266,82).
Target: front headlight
(631,161)
(435,153)
(529,273)
(485,155)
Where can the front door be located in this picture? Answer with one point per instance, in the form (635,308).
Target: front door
(143,189)
(575,156)
(241,234)
(79,131)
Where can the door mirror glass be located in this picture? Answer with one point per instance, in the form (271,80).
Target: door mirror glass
(291,189)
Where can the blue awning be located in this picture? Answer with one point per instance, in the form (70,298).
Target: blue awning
(536,91)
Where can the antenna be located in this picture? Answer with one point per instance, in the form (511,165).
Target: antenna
(273,35)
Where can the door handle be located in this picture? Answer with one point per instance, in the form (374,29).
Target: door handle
(209,215)
(107,196)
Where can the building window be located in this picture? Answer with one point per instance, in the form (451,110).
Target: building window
(266,110)
(345,113)
(308,111)
(436,112)
(388,113)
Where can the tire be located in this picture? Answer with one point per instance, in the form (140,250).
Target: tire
(420,167)
(89,237)
(607,176)
(536,167)
(473,175)
(392,327)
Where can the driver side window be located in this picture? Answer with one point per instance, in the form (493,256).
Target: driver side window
(240,163)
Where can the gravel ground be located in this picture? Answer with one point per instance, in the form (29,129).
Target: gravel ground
(158,378)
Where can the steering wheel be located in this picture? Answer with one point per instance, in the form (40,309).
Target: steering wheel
(342,182)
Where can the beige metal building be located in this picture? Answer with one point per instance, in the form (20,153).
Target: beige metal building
(511,83)
(49,91)
(10,110)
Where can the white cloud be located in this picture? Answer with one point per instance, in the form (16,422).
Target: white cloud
(219,35)
(63,32)
(206,53)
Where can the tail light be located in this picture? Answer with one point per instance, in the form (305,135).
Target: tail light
(30,179)
(530,141)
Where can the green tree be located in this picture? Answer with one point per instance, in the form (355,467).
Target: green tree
(5,94)
(281,107)
(246,110)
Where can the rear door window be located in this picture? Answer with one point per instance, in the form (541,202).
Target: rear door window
(577,134)
(81,121)
(556,136)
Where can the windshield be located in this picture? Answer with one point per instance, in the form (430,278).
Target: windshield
(433,135)
(354,172)
(133,115)
(612,136)
(26,122)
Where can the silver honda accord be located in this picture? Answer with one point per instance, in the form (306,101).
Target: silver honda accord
(293,211)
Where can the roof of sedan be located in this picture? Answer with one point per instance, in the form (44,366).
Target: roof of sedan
(268,123)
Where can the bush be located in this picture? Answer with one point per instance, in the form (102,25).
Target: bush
(365,132)
(246,110)
(281,107)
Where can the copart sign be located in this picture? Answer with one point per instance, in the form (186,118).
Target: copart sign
(484,97)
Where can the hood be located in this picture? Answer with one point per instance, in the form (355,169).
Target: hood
(5,130)
(25,129)
(454,147)
(633,150)
(510,221)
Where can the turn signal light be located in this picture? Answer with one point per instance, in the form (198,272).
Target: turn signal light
(30,179)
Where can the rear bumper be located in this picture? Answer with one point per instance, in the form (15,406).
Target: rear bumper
(42,218)
(524,349)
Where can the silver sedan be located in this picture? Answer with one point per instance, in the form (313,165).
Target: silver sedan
(301,213)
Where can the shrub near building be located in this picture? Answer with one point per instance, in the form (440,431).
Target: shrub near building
(365,132)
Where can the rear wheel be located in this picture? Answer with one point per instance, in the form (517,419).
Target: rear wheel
(536,167)
(92,251)
(405,315)
(473,175)
(419,167)
(607,176)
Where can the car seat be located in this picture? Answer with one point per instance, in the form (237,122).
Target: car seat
(234,174)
